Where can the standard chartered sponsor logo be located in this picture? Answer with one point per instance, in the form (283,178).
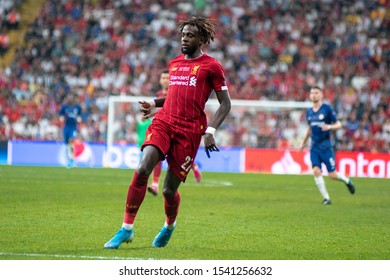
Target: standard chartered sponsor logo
(180,78)
(182,81)
(193,81)
(178,83)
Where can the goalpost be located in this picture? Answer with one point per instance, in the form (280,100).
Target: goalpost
(243,113)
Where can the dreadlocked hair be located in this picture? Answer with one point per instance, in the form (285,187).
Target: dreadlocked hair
(205,27)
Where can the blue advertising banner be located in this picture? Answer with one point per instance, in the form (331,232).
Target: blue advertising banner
(226,160)
(117,156)
(53,153)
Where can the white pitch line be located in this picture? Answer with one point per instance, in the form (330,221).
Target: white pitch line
(216,183)
(66,256)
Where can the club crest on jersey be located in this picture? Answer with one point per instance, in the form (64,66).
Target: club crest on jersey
(148,137)
(195,69)
(321,117)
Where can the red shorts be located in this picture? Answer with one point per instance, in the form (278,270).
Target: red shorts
(178,146)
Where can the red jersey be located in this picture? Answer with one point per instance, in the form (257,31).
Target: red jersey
(191,82)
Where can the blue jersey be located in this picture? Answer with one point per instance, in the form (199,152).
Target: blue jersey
(70,113)
(325,115)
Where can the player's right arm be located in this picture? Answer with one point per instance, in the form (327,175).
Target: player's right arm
(146,107)
(304,141)
(151,114)
(61,114)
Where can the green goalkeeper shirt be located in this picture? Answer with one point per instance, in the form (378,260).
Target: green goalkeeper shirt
(142,126)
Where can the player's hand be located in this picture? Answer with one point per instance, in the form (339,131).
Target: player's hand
(146,115)
(209,144)
(145,108)
(325,127)
(151,113)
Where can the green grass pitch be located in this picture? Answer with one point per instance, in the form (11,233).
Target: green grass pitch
(58,213)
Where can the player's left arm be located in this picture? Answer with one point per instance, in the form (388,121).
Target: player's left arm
(220,115)
(333,126)
(334,123)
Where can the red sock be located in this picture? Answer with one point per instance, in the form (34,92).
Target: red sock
(157,172)
(135,196)
(171,206)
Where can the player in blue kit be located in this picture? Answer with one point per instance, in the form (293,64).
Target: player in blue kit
(70,115)
(322,119)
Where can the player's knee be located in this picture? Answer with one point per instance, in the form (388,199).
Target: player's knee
(333,175)
(317,171)
(144,170)
(168,193)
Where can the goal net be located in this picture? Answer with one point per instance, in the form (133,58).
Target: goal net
(250,123)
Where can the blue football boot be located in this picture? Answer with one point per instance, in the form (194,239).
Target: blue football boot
(162,238)
(121,236)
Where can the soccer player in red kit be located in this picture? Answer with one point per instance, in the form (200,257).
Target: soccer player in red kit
(177,128)
(153,188)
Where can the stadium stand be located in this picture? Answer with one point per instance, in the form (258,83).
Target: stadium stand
(271,50)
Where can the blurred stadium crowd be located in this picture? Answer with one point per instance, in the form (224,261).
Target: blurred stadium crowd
(9,19)
(270,49)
